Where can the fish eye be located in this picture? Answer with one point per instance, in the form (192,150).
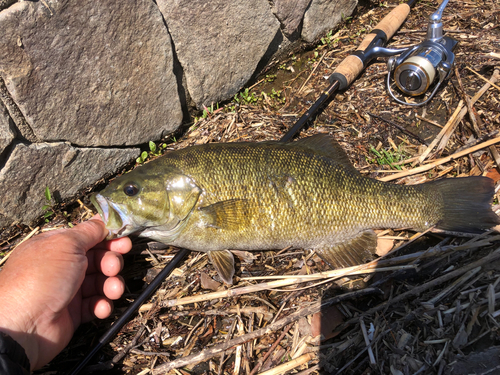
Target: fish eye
(131,189)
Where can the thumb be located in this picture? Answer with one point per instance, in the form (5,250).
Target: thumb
(89,233)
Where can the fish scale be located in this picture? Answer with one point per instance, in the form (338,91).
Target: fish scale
(270,195)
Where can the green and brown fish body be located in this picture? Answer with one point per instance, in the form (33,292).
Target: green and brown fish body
(269,195)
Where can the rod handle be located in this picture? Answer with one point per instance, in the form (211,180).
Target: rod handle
(352,65)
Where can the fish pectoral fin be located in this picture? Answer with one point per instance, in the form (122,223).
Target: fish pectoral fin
(350,253)
(325,145)
(223,262)
(232,214)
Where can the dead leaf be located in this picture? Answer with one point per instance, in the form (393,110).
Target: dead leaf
(384,245)
(208,283)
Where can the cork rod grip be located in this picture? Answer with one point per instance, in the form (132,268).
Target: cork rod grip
(352,65)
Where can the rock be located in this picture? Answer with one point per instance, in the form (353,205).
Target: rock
(290,14)
(7,135)
(61,167)
(486,362)
(323,15)
(221,52)
(94,73)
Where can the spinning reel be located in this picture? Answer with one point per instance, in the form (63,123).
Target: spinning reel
(416,68)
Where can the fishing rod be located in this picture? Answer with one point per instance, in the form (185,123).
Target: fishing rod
(342,77)
(371,47)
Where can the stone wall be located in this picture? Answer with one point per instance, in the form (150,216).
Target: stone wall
(83,83)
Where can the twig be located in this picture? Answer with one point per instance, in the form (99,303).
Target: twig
(281,369)
(429,121)
(490,81)
(430,304)
(362,351)
(310,75)
(309,370)
(467,100)
(428,285)
(357,270)
(271,350)
(455,119)
(424,168)
(367,342)
(407,132)
(217,349)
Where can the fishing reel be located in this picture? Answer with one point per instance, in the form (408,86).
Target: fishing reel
(419,67)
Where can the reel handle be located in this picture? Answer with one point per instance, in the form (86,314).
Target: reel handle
(354,64)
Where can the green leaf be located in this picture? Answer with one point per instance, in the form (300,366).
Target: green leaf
(46,207)
(144,155)
(152,146)
(48,197)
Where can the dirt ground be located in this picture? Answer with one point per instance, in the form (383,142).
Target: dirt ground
(427,307)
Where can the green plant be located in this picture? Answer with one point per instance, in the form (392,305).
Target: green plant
(246,97)
(270,77)
(388,157)
(344,18)
(328,39)
(207,112)
(48,207)
(153,151)
(276,95)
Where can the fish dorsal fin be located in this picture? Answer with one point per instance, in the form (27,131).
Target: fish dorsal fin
(324,145)
(223,262)
(350,253)
(182,196)
(233,214)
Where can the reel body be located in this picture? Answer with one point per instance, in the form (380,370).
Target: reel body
(418,67)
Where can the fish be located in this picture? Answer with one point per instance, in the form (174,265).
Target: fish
(269,195)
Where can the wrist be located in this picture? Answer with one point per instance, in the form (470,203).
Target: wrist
(21,333)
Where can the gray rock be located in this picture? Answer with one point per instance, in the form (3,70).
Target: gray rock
(7,135)
(94,73)
(323,15)
(219,43)
(61,167)
(290,14)
(481,363)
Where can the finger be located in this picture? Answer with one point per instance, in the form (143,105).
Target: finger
(89,233)
(114,287)
(107,262)
(96,307)
(120,245)
(100,285)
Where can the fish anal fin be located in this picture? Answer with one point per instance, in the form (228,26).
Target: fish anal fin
(223,262)
(350,253)
(233,214)
(325,145)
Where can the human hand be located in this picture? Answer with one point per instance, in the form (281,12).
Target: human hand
(57,280)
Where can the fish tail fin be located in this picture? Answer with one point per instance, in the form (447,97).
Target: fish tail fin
(466,204)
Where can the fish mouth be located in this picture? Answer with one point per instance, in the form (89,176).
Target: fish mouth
(116,219)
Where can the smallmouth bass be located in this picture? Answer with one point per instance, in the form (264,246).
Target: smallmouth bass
(261,196)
